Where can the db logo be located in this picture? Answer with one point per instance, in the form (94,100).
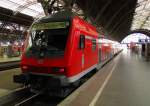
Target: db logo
(40,61)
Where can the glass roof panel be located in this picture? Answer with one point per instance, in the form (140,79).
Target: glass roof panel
(148,6)
(33,10)
(142,15)
(29,7)
(8,4)
(139,8)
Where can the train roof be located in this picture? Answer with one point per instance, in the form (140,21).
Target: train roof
(60,16)
(67,16)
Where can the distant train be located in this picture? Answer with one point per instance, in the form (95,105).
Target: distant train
(59,51)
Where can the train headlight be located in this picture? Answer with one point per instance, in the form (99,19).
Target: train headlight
(24,68)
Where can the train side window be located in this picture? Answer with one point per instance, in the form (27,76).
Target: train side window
(93,44)
(82,42)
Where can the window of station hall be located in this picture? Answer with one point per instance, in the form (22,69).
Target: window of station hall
(28,7)
(135,38)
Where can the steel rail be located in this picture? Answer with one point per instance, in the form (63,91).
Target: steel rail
(27,99)
(9,65)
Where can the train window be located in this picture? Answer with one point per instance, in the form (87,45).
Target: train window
(53,39)
(82,42)
(48,42)
(93,44)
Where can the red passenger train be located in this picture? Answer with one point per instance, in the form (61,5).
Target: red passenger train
(60,50)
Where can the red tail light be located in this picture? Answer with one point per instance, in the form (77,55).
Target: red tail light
(61,70)
(58,70)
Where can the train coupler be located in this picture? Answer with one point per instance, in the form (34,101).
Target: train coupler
(22,78)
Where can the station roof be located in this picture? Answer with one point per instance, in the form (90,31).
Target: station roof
(142,15)
(28,7)
(116,17)
(7,15)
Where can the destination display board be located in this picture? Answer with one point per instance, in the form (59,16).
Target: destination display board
(50,25)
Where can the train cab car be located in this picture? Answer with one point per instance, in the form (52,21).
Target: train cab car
(60,49)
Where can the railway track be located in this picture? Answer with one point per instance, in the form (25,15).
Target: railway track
(9,65)
(27,100)
(24,97)
(14,97)
(40,100)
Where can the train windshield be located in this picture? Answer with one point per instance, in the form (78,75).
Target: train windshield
(49,38)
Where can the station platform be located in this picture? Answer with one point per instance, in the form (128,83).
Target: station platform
(124,81)
(6,59)
(6,81)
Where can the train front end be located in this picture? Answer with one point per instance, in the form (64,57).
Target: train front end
(44,61)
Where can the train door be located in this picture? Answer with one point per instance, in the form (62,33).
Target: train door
(90,52)
(87,52)
(82,47)
(100,53)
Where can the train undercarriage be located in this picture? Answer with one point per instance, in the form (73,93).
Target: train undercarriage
(51,85)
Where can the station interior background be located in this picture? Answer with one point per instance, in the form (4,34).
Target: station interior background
(13,33)
(120,23)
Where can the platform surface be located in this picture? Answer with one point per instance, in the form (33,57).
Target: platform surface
(6,59)
(6,81)
(127,85)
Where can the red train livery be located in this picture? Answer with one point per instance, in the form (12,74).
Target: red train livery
(60,50)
